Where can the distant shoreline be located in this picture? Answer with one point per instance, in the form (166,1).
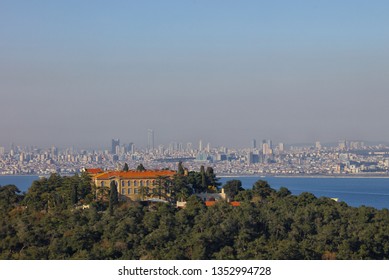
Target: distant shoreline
(356,176)
(359,176)
(30,175)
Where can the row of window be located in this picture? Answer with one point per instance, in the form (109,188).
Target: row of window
(127,191)
(135,183)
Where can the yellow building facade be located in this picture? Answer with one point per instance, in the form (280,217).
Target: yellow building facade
(135,185)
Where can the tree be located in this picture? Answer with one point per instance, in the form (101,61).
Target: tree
(181,189)
(180,170)
(9,195)
(125,167)
(140,167)
(232,188)
(262,188)
(211,177)
(113,197)
(204,183)
(74,194)
(283,192)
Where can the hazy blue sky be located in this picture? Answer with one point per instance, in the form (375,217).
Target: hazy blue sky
(83,72)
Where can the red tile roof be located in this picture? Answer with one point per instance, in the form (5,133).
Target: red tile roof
(212,203)
(133,174)
(94,170)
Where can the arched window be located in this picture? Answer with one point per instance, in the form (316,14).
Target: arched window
(129,183)
(141,183)
(102,183)
(147,183)
(135,183)
(122,183)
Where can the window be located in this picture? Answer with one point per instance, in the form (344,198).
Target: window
(135,191)
(122,183)
(147,183)
(135,183)
(123,191)
(129,183)
(129,191)
(102,184)
(141,183)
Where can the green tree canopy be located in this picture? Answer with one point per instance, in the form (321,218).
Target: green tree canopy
(262,189)
(140,167)
(232,188)
(9,196)
(180,169)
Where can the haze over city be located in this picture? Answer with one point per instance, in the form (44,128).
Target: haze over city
(75,73)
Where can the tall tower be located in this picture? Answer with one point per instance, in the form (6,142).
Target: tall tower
(200,145)
(131,148)
(115,143)
(281,147)
(254,144)
(150,139)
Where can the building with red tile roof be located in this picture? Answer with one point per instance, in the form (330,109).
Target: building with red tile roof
(135,185)
(209,203)
(93,171)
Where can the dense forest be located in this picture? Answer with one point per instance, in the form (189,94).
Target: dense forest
(50,222)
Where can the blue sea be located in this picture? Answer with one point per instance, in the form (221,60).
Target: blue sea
(354,191)
(23,182)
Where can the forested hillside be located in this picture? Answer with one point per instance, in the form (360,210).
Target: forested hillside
(48,223)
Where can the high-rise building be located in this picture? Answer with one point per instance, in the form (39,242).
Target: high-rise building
(267,147)
(130,148)
(254,144)
(150,140)
(200,145)
(342,145)
(115,143)
(252,158)
(54,151)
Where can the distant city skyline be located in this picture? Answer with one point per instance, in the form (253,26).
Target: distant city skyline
(112,145)
(74,73)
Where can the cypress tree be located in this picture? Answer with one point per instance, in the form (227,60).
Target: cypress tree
(113,197)
(125,168)
(204,184)
(141,167)
(211,177)
(74,194)
(180,170)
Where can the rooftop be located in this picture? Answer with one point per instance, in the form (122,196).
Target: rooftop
(134,174)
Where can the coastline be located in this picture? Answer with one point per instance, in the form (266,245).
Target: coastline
(355,176)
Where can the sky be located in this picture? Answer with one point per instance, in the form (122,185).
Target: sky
(79,73)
